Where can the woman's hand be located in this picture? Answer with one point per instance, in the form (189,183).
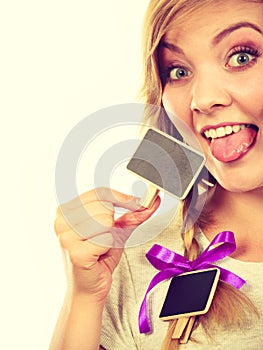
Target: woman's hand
(93,240)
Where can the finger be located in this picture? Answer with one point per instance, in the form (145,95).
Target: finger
(100,212)
(90,210)
(85,254)
(86,229)
(87,222)
(103,194)
(134,219)
(70,239)
(127,223)
(92,227)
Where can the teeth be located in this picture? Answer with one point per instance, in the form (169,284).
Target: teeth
(220,132)
(223,131)
(228,130)
(236,128)
(213,133)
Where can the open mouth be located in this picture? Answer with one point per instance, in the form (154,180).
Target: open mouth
(226,130)
(231,142)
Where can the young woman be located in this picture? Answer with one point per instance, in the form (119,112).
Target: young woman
(204,63)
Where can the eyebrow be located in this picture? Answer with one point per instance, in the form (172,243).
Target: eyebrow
(219,37)
(171,47)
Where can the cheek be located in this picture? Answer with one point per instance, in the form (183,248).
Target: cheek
(256,101)
(173,102)
(250,98)
(177,106)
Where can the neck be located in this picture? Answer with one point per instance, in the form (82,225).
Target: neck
(242,214)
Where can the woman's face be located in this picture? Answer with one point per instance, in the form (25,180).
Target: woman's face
(212,70)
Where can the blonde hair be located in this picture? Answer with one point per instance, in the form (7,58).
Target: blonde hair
(235,309)
(158,18)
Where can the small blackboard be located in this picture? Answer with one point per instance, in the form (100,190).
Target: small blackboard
(190,294)
(166,163)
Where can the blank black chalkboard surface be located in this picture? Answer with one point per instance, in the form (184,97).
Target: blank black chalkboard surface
(166,163)
(190,294)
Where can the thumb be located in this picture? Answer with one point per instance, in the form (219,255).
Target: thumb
(133,219)
(127,223)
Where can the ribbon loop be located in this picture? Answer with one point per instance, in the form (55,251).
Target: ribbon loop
(171,264)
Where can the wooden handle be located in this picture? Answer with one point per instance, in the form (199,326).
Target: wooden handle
(149,197)
(179,328)
(187,331)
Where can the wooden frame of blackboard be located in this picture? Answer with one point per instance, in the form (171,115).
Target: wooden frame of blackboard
(181,154)
(190,294)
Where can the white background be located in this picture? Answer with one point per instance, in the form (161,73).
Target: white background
(60,61)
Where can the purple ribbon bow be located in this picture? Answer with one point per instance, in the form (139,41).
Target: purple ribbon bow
(171,264)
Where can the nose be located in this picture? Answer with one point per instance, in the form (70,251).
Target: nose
(209,93)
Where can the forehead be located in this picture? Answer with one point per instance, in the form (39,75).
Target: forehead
(210,19)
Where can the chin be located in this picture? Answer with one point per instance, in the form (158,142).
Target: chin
(239,186)
(242,176)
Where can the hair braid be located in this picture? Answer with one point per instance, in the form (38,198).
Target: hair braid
(230,307)
(191,252)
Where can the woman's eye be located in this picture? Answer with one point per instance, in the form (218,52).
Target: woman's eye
(240,59)
(178,73)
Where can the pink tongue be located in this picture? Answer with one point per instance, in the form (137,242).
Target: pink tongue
(229,148)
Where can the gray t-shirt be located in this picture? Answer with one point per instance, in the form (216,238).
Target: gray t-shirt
(131,279)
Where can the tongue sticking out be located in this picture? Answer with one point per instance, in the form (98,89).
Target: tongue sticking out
(232,147)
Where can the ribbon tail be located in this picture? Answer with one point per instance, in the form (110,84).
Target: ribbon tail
(143,320)
(231,278)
